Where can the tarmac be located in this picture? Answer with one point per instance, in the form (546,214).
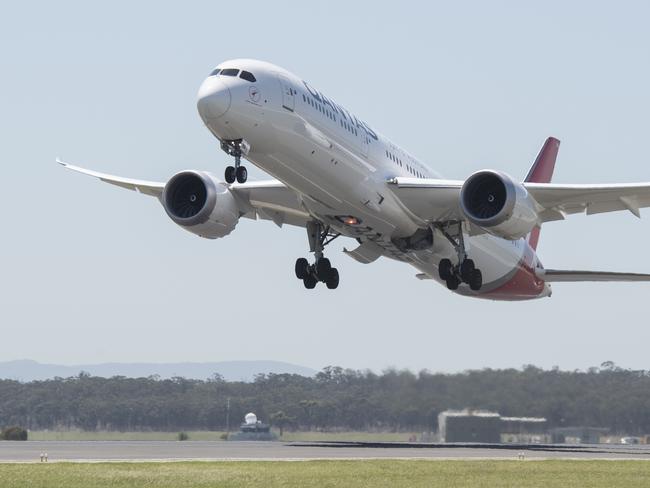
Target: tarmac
(97,451)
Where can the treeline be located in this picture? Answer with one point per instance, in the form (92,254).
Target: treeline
(334,398)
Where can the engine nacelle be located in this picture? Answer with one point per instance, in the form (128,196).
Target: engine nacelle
(496,203)
(201,204)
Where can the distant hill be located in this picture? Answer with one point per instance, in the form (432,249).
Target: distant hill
(28,370)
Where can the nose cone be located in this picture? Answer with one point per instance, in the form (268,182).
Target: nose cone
(213,98)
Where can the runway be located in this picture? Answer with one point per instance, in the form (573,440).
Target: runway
(95,451)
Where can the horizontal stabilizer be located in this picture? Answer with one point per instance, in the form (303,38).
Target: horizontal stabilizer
(554,275)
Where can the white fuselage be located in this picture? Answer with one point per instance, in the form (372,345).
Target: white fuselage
(339,167)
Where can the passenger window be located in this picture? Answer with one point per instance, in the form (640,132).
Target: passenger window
(246,75)
(215,72)
(229,72)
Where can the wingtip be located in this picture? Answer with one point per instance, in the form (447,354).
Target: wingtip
(62,163)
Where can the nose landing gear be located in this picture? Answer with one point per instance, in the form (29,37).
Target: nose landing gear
(321,270)
(466,271)
(238,172)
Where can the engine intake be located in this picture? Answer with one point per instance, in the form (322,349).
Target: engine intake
(494,202)
(189,199)
(200,204)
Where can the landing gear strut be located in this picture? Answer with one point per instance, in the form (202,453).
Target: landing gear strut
(322,270)
(237,172)
(465,271)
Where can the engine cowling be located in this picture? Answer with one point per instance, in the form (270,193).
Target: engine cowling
(499,205)
(201,204)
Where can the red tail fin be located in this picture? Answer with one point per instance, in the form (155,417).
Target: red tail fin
(541,172)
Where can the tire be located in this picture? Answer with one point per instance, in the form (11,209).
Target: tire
(467,270)
(323,268)
(309,281)
(453,282)
(242,174)
(333,279)
(445,269)
(229,175)
(476,281)
(302,268)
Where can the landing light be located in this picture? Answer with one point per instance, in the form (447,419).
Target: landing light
(348,220)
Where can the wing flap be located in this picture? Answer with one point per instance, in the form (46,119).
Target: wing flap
(555,275)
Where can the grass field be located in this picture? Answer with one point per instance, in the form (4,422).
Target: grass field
(334,474)
(79,435)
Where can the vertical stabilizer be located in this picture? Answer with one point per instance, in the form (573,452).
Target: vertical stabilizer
(541,172)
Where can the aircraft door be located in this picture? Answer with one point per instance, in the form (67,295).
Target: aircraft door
(288,93)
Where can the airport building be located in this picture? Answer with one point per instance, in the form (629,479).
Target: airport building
(524,430)
(489,427)
(577,435)
(469,426)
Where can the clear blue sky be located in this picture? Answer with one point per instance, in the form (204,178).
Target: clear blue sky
(92,273)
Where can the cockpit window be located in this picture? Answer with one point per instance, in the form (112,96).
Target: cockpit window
(247,76)
(215,72)
(229,72)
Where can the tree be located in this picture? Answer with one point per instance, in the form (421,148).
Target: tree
(280,420)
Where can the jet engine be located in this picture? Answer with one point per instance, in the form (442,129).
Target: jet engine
(201,204)
(496,203)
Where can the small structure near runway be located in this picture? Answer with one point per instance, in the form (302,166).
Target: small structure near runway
(253,430)
(469,426)
(489,427)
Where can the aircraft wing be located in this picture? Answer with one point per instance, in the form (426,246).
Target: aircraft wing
(429,200)
(267,200)
(435,200)
(559,200)
(151,188)
(271,200)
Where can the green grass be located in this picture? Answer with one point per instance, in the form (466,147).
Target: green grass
(334,474)
(204,435)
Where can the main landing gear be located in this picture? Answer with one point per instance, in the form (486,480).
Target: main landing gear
(321,270)
(237,172)
(465,271)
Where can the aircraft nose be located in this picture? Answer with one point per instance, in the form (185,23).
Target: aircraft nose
(213,98)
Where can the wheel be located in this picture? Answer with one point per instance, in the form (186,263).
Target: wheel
(230,174)
(476,281)
(242,174)
(445,269)
(309,281)
(453,282)
(467,270)
(302,268)
(332,281)
(323,268)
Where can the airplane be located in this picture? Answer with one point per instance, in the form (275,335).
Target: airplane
(334,175)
